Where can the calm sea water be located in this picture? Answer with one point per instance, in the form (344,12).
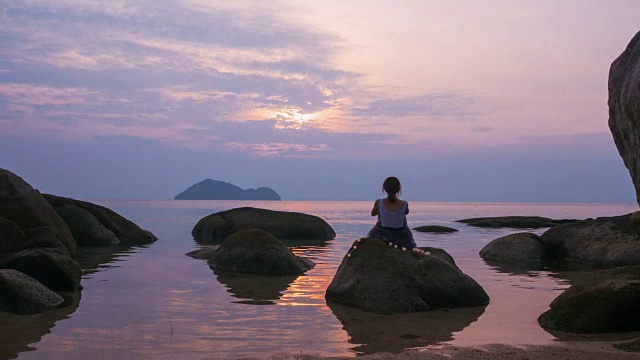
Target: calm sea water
(155,302)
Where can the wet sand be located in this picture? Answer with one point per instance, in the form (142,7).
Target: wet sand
(568,351)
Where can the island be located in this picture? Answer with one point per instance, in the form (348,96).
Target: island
(219,190)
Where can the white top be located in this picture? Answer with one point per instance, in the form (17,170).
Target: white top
(392,219)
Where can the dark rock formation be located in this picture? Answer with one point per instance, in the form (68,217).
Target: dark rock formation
(11,236)
(521,249)
(600,302)
(86,229)
(624,108)
(205,253)
(257,252)
(438,229)
(377,278)
(23,205)
(127,233)
(516,222)
(282,224)
(219,190)
(22,294)
(604,242)
(55,271)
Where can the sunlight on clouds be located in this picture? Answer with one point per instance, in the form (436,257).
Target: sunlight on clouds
(280,149)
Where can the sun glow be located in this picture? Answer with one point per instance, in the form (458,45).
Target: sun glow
(293,118)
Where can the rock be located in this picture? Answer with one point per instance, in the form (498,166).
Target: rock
(624,112)
(128,233)
(600,302)
(11,236)
(516,222)
(377,278)
(521,249)
(256,251)
(219,190)
(604,242)
(23,205)
(22,294)
(55,271)
(281,224)
(86,229)
(43,237)
(203,254)
(435,229)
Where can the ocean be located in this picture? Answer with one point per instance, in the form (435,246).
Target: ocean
(156,302)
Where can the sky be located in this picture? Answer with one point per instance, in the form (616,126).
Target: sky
(463,100)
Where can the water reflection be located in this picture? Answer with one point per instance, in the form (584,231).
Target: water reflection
(95,259)
(17,332)
(254,289)
(395,333)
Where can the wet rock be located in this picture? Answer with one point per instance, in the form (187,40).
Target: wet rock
(55,271)
(11,236)
(377,278)
(624,112)
(281,224)
(27,208)
(256,251)
(522,249)
(600,302)
(86,229)
(438,229)
(43,237)
(127,233)
(605,242)
(515,222)
(22,294)
(205,253)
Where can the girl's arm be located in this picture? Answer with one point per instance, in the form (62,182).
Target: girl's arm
(406,211)
(375,211)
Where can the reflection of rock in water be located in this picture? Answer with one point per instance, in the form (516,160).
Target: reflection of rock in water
(17,332)
(395,333)
(95,259)
(253,289)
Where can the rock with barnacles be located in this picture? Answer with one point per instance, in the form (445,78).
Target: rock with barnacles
(378,278)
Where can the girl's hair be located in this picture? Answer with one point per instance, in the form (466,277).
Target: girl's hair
(392,187)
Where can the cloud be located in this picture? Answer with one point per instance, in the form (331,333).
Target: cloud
(437,105)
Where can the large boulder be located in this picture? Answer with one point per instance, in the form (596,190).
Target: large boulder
(515,222)
(11,236)
(282,224)
(22,294)
(624,108)
(43,237)
(55,271)
(27,208)
(86,229)
(521,249)
(126,232)
(603,242)
(600,302)
(378,278)
(256,251)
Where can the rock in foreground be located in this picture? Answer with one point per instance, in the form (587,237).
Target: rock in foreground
(624,112)
(281,224)
(605,242)
(600,302)
(95,225)
(515,222)
(22,294)
(257,252)
(377,278)
(521,249)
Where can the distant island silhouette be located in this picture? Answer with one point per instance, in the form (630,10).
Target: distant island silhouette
(219,190)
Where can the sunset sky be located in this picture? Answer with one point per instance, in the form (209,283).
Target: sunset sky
(470,100)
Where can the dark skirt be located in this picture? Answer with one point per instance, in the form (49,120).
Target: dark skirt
(397,236)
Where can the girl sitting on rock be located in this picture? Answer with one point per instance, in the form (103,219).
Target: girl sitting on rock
(392,220)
